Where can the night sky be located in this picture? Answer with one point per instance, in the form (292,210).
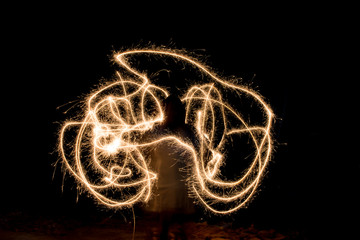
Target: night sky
(54,59)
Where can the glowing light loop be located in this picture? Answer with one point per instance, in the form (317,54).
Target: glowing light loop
(107,157)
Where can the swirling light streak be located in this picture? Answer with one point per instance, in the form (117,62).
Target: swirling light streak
(108,156)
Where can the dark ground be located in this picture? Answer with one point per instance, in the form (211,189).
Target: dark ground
(289,56)
(20,225)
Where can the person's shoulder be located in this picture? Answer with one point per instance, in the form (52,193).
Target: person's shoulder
(190,133)
(152,133)
(190,129)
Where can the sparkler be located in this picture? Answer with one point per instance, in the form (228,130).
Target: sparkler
(107,154)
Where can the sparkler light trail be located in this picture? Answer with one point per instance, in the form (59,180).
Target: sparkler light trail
(106,153)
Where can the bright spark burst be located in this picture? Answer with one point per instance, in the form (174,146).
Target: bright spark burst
(107,155)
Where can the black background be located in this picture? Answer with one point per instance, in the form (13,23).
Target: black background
(53,57)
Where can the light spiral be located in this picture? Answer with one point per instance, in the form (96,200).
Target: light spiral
(107,153)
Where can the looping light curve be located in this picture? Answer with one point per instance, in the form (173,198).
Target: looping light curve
(105,151)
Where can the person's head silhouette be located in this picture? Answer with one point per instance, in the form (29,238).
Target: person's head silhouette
(174,108)
(174,112)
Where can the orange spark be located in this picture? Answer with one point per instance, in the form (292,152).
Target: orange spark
(107,154)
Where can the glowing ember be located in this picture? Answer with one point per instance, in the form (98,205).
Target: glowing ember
(107,155)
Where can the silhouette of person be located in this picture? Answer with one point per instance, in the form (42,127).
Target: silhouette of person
(171,163)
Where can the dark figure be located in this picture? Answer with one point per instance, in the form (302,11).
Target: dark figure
(171,162)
